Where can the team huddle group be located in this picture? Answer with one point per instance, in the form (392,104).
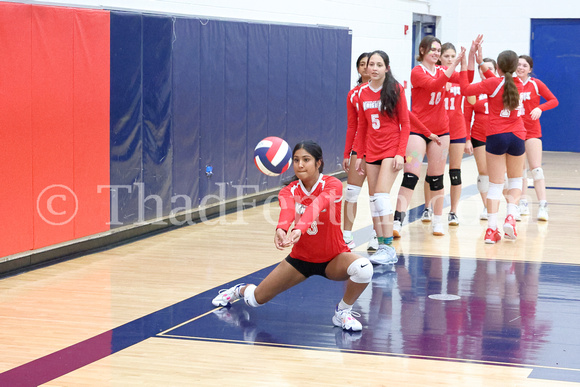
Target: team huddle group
(496,120)
(384,137)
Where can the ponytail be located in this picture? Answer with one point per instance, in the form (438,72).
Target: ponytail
(507,62)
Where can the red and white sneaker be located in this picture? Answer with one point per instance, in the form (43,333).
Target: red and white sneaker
(492,236)
(509,227)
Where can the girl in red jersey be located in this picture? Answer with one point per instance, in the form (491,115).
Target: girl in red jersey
(313,204)
(533,90)
(383,132)
(457,138)
(354,180)
(476,109)
(428,82)
(504,141)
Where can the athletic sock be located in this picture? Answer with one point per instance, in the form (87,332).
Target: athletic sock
(343,305)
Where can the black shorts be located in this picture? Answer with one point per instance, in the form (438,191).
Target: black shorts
(376,162)
(427,139)
(308,269)
(476,143)
(458,141)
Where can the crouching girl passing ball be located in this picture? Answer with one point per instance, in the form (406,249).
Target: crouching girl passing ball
(313,204)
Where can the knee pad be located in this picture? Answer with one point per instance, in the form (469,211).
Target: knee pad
(351,194)
(435,182)
(538,173)
(249,298)
(483,183)
(383,204)
(373,205)
(455,176)
(515,182)
(505,182)
(360,271)
(495,191)
(409,180)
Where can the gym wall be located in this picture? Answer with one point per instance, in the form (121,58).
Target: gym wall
(148,105)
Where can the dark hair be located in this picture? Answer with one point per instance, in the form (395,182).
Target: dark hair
(361,57)
(445,47)
(425,44)
(390,93)
(314,150)
(528,59)
(507,62)
(492,61)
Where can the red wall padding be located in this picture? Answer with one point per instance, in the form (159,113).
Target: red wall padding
(15,130)
(56,132)
(52,124)
(91,120)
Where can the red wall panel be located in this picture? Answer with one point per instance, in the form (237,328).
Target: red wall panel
(52,125)
(16,209)
(91,120)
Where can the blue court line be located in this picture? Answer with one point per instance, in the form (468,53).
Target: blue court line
(561,188)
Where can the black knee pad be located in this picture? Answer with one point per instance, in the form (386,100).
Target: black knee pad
(409,180)
(455,176)
(435,182)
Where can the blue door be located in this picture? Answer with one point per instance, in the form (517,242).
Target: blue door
(555,50)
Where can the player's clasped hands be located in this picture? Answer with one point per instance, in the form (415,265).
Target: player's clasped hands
(283,239)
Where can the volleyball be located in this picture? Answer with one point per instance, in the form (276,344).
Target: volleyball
(272,156)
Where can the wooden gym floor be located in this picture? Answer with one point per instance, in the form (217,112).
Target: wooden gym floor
(453,311)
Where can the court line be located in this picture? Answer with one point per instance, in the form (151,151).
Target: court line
(366,352)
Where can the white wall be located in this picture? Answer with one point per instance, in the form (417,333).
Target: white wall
(375,24)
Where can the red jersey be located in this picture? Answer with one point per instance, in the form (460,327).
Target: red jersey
(318,215)
(533,90)
(427,94)
(480,114)
(380,136)
(453,105)
(352,119)
(501,120)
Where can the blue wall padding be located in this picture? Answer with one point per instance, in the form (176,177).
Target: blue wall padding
(236,107)
(157,123)
(213,92)
(257,98)
(126,116)
(189,94)
(186,112)
(300,77)
(278,86)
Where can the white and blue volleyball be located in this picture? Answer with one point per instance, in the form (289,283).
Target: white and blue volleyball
(272,156)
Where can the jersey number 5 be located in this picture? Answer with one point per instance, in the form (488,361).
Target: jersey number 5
(376,122)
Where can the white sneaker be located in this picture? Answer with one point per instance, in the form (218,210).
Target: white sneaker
(543,213)
(427,215)
(438,229)
(483,215)
(385,255)
(373,243)
(227,296)
(397,229)
(344,318)
(350,243)
(524,209)
(452,219)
